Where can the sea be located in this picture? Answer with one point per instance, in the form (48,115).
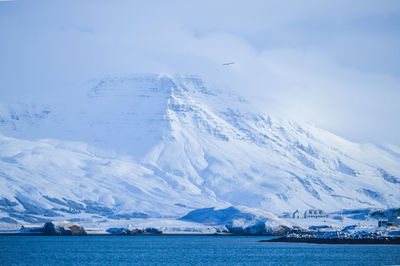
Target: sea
(185,250)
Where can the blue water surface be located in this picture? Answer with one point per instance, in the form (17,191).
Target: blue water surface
(185,250)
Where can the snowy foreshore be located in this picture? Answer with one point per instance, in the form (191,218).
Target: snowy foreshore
(347,235)
(394,240)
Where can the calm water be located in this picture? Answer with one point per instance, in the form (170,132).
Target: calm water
(187,250)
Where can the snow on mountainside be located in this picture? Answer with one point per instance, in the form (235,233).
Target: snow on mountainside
(161,145)
(49,178)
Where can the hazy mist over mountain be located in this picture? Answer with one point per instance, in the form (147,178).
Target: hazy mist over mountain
(333,64)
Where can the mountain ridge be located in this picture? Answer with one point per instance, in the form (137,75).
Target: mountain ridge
(202,145)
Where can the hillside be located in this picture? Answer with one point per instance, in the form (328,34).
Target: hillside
(153,145)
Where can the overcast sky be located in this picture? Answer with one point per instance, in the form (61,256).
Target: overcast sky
(333,63)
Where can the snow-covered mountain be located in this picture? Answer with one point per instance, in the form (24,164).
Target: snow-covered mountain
(240,220)
(159,145)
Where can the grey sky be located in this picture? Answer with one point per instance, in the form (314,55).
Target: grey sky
(333,63)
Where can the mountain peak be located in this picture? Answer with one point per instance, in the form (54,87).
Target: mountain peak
(208,145)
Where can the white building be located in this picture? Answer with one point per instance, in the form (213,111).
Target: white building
(314,214)
(296,214)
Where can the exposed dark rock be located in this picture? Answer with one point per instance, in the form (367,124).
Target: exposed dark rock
(32,209)
(118,231)
(55,200)
(74,205)
(136,231)
(129,215)
(180,205)
(49,229)
(27,217)
(388,177)
(348,235)
(153,231)
(70,210)
(7,203)
(97,208)
(336,240)
(8,220)
(77,230)
(69,229)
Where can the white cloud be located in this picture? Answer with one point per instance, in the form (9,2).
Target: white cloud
(335,64)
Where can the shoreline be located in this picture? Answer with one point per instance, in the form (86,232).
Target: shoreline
(384,241)
(127,235)
(275,239)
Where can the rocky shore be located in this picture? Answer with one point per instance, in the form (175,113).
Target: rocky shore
(394,240)
(74,229)
(346,236)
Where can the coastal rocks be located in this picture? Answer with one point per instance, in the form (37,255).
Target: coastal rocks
(118,231)
(356,241)
(135,231)
(348,235)
(63,229)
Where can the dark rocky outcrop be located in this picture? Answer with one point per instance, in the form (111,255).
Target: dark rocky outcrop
(7,220)
(7,203)
(390,241)
(136,231)
(64,229)
(323,235)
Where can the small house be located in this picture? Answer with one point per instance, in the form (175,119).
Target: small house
(315,214)
(296,214)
